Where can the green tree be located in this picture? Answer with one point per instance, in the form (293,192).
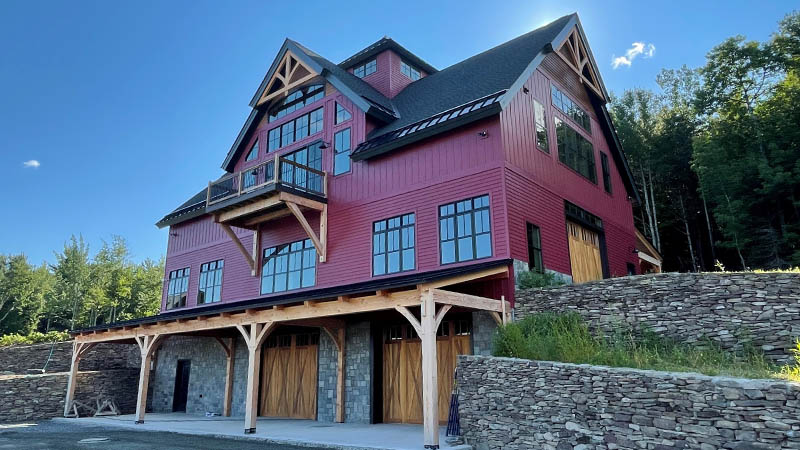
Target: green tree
(71,285)
(20,298)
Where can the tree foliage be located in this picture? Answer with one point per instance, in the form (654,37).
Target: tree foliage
(77,290)
(716,150)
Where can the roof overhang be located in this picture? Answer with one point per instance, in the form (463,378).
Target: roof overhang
(383,45)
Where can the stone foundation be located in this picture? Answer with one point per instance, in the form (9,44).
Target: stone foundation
(518,404)
(26,359)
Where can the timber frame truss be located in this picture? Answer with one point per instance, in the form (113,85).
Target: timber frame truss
(573,52)
(291,73)
(255,325)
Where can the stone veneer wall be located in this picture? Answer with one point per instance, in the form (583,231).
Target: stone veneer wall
(358,373)
(518,404)
(730,308)
(483,328)
(24,359)
(36,397)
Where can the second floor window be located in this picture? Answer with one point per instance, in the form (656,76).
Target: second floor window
(289,266)
(341,150)
(253,152)
(365,69)
(541,127)
(465,230)
(409,71)
(209,287)
(297,100)
(575,151)
(295,130)
(178,288)
(393,245)
(606,172)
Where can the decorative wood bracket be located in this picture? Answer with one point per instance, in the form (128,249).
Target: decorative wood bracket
(251,258)
(291,73)
(573,52)
(321,242)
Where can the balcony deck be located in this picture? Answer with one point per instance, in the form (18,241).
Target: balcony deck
(260,193)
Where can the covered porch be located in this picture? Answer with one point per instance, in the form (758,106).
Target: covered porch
(424,306)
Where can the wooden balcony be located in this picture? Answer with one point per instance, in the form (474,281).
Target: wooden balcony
(273,189)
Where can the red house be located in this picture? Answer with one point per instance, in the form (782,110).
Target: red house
(369,226)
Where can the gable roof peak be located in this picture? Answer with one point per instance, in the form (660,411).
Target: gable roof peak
(381,45)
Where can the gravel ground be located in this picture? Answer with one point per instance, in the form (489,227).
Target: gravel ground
(64,436)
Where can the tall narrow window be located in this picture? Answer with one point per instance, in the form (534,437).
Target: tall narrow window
(287,133)
(606,172)
(342,114)
(534,249)
(393,245)
(274,139)
(289,266)
(465,230)
(315,121)
(541,127)
(341,149)
(178,288)
(253,152)
(209,289)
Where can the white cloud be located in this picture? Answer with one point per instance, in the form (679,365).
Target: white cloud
(31,164)
(637,48)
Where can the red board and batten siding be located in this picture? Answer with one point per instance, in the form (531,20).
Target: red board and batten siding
(450,167)
(537,183)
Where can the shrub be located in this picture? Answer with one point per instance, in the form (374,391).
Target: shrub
(792,373)
(529,280)
(33,338)
(566,337)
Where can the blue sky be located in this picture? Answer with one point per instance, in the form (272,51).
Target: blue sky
(130,107)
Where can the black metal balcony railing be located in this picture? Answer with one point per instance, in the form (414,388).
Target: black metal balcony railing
(290,174)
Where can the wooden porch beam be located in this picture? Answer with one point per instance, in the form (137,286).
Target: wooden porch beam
(78,350)
(301,201)
(500,270)
(267,217)
(470,301)
(239,245)
(254,334)
(309,231)
(256,250)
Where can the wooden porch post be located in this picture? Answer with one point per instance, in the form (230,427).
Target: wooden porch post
(338,337)
(430,379)
(254,337)
(229,346)
(78,350)
(147,344)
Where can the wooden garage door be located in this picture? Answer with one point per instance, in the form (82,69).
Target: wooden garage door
(402,369)
(289,376)
(584,253)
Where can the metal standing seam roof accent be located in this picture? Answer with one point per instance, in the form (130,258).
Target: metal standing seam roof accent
(436,120)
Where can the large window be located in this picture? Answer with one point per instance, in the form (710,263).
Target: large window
(464,230)
(570,108)
(409,71)
(289,266)
(541,127)
(534,249)
(295,130)
(178,288)
(253,152)
(296,100)
(365,69)
(575,151)
(209,288)
(606,172)
(300,177)
(341,152)
(393,245)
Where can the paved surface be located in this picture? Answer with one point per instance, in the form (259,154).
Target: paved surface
(65,436)
(302,433)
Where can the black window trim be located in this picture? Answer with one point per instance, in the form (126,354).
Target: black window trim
(474,234)
(213,285)
(411,70)
(336,114)
(363,66)
(560,152)
(540,267)
(605,168)
(319,87)
(277,248)
(567,114)
(385,231)
(186,273)
(295,139)
(349,151)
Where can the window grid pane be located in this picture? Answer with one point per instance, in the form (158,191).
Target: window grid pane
(210,285)
(465,230)
(297,100)
(575,151)
(177,288)
(289,266)
(297,129)
(341,148)
(393,245)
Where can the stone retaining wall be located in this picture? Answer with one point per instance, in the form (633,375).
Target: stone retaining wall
(518,404)
(25,359)
(730,308)
(37,397)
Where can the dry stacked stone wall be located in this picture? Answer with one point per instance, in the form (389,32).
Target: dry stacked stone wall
(514,404)
(732,309)
(27,359)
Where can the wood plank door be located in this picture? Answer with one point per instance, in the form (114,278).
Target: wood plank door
(402,369)
(289,376)
(584,253)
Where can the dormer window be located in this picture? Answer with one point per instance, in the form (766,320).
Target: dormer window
(253,152)
(303,96)
(365,69)
(409,71)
